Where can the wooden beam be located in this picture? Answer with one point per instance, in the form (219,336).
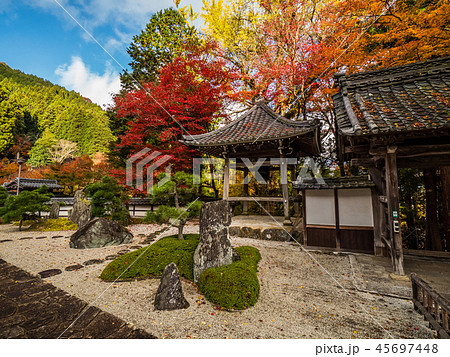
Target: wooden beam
(252,199)
(393,211)
(414,150)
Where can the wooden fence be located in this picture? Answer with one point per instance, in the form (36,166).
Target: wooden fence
(432,305)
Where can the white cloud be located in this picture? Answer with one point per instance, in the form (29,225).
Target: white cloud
(94,13)
(98,88)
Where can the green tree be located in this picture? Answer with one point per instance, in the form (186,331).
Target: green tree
(177,192)
(10,112)
(40,153)
(108,198)
(177,217)
(26,205)
(3,196)
(163,39)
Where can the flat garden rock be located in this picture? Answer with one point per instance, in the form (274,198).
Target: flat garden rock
(136,247)
(100,232)
(93,261)
(41,237)
(55,237)
(5,240)
(214,248)
(25,238)
(74,267)
(170,293)
(48,273)
(112,257)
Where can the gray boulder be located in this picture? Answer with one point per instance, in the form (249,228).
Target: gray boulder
(54,210)
(214,248)
(170,293)
(81,210)
(100,232)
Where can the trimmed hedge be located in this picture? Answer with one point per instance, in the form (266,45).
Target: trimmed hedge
(234,286)
(155,259)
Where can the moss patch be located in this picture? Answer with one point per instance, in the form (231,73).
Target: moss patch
(233,286)
(60,224)
(155,259)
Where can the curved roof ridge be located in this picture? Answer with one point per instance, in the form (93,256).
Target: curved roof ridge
(263,106)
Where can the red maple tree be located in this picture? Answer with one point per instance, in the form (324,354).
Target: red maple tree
(186,100)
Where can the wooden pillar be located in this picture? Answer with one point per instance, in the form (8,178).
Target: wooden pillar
(284,188)
(393,210)
(433,237)
(305,235)
(226,179)
(336,217)
(379,222)
(445,181)
(295,193)
(245,203)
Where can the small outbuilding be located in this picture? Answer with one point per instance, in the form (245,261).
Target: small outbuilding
(338,213)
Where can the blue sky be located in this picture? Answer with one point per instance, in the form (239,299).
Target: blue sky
(38,37)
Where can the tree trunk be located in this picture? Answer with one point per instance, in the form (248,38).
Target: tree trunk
(433,239)
(20,224)
(180,231)
(175,193)
(445,180)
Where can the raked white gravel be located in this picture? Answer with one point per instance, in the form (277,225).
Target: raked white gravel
(297,299)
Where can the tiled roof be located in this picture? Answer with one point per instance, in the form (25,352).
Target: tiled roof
(411,97)
(258,124)
(334,182)
(32,183)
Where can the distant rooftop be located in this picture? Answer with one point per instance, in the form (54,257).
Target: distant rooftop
(27,183)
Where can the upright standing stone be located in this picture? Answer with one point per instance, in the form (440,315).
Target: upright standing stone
(54,210)
(81,211)
(214,248)
(170,292)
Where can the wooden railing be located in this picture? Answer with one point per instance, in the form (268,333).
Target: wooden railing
(432,305)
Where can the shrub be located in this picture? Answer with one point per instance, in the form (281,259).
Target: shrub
(155,259)
(177,217)
(25,206)
(234,286)
(60,224)
(108,198)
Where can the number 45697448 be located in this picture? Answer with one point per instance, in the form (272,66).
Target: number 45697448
(406,348)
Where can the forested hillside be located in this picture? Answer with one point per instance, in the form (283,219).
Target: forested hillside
(37,118)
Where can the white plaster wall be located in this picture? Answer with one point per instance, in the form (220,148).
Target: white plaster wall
(320,207)
(355,207)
